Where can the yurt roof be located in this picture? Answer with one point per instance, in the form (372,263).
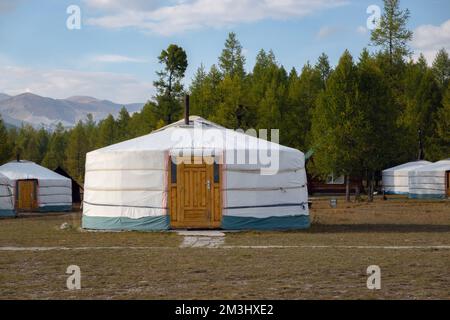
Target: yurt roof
(408,166)
(16,170)
(442,165)
(4,179)
(162,139)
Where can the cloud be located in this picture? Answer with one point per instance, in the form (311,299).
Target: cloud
(326,31)
(114,58)
(428,39)
(62,83)
(361,30)
(182,16)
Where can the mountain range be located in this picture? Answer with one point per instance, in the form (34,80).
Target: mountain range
(38,111)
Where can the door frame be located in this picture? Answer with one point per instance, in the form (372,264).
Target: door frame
(35,203)
(447,183)
(214,199)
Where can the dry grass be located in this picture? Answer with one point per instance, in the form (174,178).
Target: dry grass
(198,273)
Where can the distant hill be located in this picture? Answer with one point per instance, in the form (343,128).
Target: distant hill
(46,112)
(4,96)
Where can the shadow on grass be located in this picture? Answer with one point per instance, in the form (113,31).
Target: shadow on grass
(381,228)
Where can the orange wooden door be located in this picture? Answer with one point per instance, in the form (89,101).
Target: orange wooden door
(27,195)
(194,205)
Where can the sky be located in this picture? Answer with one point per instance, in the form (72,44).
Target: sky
(113,55)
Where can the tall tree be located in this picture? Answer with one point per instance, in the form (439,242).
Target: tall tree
(324,69)
(337,125)
(230,90)
(392,33)
(232,61)
(441,68)
(43,139)
(144,122)
(422,99)
(378,129)
(91,131)
(123,125)
(440,144)
(107,132)
(76,152)
(198,92)
(205,96)
(55,155)
(27,144)
(169,86)
(302,96)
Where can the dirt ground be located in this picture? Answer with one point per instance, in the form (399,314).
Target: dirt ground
(408,239)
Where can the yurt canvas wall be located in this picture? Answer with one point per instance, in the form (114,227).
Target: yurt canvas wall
(37,188)
(135,185)
(430,181)
(396,179)
(6,197)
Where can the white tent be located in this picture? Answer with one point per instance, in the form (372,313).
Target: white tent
(136,184)
(6,197)
(395,179)
(38,188)
(430,181)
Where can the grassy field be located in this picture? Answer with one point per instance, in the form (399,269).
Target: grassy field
(408,239)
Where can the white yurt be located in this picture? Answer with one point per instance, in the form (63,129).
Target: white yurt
(431,181)
(195,174)
(6,198)
(396,179)
(36,188)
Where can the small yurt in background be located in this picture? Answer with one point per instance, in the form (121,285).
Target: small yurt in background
(144,183)
(431,181)
(396,179)
(36,188)
(6,197)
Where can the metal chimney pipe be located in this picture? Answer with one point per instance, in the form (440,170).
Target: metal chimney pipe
(186,110)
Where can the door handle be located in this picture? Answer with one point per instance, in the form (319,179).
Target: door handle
(208,185)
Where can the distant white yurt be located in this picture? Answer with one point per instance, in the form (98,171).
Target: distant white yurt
(396,179)
(190,174)
(6,197)
(36,188)
(431,181)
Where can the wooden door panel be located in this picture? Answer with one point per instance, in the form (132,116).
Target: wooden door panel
(27,195)
(194,196)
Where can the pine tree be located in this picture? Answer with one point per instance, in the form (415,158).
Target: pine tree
(42,143)
(440,144)
(302,97)
(441,68)
(392,33)
(422,99)
(169,86)
(198,93)
(55,155)
(323,67)
(27,144)
(107,132)
(232,61)
(144,122)
(123,123)
(378,127)
(230,90)
(76,152)
(337,125)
